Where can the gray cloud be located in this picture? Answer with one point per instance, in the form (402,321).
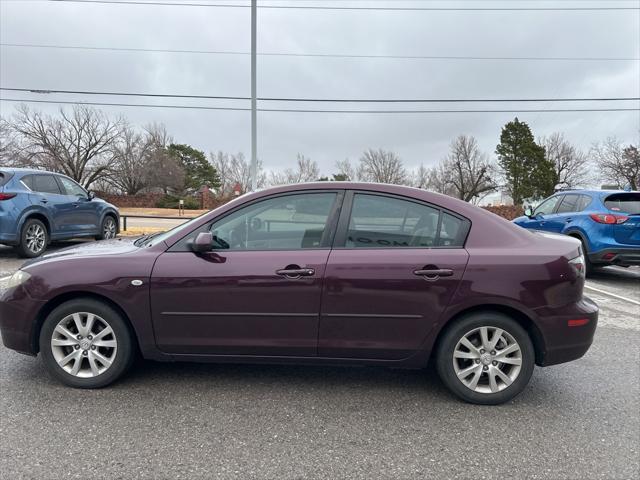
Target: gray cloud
(330,137)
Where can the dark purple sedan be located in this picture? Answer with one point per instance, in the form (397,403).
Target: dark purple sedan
(324,273)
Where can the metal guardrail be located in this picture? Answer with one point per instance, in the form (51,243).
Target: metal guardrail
(123,218)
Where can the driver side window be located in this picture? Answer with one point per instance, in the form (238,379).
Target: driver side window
(289,222)
(548,206)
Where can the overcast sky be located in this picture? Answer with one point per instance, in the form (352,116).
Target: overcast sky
(418,138)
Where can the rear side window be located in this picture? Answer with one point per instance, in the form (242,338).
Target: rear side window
(569,204)
(4,178)
(584,202)
(45,184)
(624,203)
(384,222)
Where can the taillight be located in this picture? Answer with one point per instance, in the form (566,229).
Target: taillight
(6,196)
(608,218)
(578,264)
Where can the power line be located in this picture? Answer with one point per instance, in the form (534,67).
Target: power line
(343,8)
(285,110)
(320,55)
(325,100)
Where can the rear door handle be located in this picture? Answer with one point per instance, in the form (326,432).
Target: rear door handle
(296,272)
(44,200)
(569,220)
(434,274)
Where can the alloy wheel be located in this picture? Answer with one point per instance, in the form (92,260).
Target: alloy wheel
(487,359)
(35,238)
(109,228)
(84,345)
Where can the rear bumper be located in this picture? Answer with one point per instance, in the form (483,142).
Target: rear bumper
(616,256)
(564,343)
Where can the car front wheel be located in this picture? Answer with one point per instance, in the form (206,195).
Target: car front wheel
(486,358)
(86,344)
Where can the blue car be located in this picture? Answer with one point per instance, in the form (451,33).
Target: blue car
(607,222)
(38,207)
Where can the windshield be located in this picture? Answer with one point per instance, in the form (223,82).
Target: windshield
(624,203)
(154,239)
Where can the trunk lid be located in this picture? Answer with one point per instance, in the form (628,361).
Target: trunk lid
(627,204)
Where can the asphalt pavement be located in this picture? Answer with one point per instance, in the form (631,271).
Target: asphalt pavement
(574,421)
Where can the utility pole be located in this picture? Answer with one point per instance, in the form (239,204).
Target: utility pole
(254,93)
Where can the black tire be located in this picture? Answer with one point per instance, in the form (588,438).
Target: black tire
(29,246)
(123,356)
(108,228)
(589,267)
(445,360)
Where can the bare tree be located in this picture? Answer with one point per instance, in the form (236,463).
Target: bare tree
(164,172)
(78,144)
(346,172)
(7,143)
(381,166)
(157,135)
(131,154)
(466,170)
(618,164)
(306,170)
(571,164)
(235,170)
(420,177)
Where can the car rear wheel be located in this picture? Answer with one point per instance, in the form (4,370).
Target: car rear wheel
(485,358)
(108,229)
(34,239)
(86,344)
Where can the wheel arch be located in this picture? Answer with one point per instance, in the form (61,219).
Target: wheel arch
(75,295)
(38,215)
(519,316)
(109,212)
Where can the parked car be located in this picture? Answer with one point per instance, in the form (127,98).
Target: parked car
(38,207)
(607,223)
(323,273)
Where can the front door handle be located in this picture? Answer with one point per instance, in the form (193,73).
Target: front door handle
(297,272)
(434,273)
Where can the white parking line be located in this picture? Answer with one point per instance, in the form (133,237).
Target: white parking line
(604,292)
(5,278)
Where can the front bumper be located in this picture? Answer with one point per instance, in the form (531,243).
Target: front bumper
(18,320)
(562,342)
(616,256)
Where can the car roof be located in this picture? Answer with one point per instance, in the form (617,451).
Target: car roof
(593,191)
(24,170)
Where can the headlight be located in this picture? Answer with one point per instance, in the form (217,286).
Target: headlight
(18,278)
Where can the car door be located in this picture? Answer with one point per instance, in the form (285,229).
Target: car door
(46,192)
(259,291)
(543,216)
(85,217)
(566,212)
(394,267)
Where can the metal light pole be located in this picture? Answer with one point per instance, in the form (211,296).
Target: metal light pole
(254,102)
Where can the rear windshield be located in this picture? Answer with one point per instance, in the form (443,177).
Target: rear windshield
(624,202)
(4,178)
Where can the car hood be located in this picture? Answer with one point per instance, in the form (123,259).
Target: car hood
(116,246)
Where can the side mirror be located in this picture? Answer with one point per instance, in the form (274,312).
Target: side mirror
(528,211)
(91,195)
(203,242)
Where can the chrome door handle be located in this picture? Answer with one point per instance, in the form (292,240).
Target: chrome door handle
(434,274)
(296,272)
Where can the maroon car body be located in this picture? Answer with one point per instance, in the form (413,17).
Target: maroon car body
(360,305)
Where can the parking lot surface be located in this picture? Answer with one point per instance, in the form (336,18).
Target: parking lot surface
(578,420)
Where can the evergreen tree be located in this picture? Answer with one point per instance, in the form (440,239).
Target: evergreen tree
(198,170)
(527,173)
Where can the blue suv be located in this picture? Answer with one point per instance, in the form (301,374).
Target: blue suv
(607,222)
(37,207)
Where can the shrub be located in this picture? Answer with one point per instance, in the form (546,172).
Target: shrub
(171,201)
